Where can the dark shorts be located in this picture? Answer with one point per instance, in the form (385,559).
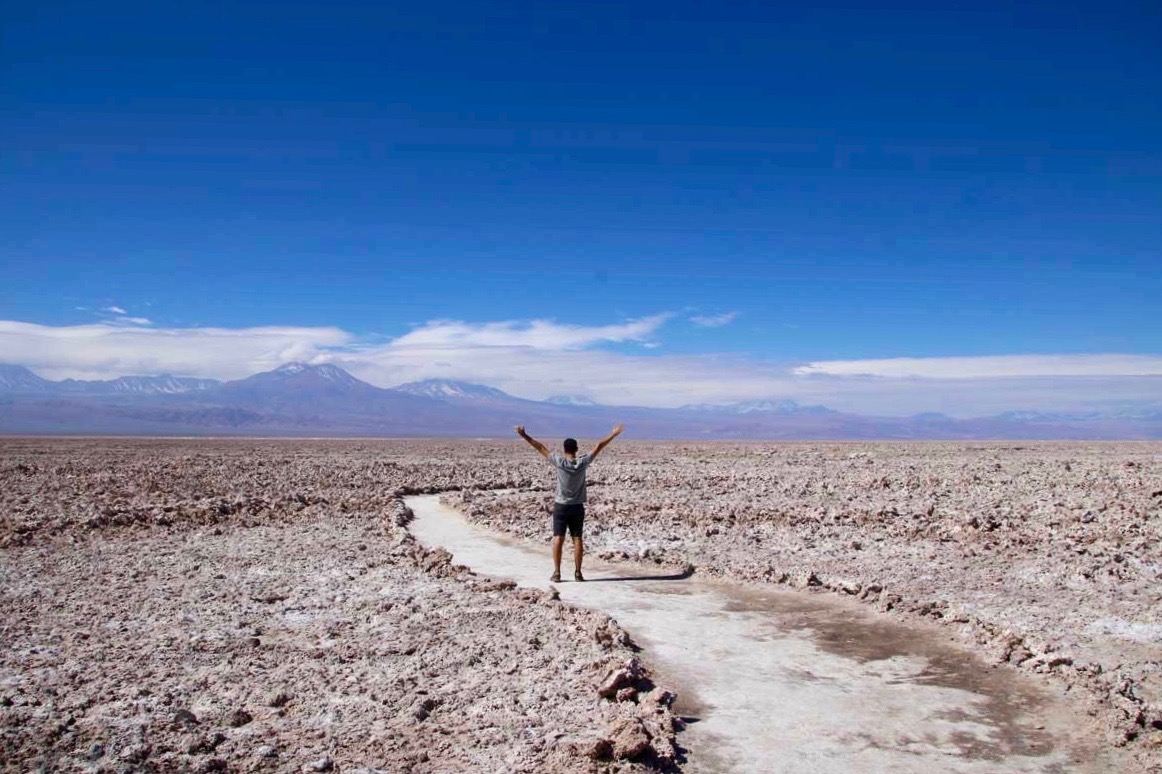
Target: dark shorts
(571,516)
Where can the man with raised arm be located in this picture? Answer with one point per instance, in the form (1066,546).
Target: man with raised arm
(569,502)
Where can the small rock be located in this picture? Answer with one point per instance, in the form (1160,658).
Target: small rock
(212,765)
(201,745)
(601,750)
(136,753)
(322,764)
(266,751)
(96,752)
(615,681)
(889,602)
(608,632)
(627,694)
(238,718)
(279,699)
(269,598)
(424,708)
(805,579)
(660,697)
(185,718)
(848,587)
(630,739)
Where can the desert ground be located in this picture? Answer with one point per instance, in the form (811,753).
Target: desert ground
(262,605)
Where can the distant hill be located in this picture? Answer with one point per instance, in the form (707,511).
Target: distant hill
(299,399)
(18,379)
(758,407)
(446,389)
(570,400)
(141,385)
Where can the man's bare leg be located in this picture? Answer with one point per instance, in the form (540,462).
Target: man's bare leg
(578,553)
(558,543)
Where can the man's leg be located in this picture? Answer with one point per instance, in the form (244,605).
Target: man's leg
(576,528)
(558,542)
(559,524)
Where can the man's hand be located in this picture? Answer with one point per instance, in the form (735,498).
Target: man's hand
(616,431)
(533,442)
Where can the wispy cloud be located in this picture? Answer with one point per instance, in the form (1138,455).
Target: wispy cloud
(714,321)
(118,315)
(534,334)
(990,367)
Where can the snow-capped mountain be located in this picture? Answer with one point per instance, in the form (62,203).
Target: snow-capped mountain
(165,384)
(756,407)
(161,385)
(448,389)
(323,372)
(300,386)
(1148,412)
(18,379)
(14,378)
(570,400)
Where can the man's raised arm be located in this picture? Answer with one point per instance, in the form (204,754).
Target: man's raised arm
(606,440)
(533,442)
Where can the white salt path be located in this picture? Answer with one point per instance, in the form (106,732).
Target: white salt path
(784,681)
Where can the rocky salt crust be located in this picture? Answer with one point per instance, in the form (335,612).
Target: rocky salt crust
(245,606)
(1043,557)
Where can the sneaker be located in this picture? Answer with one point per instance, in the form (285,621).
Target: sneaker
(555,578)
(577,576)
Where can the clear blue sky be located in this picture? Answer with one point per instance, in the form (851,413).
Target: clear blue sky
(924,181)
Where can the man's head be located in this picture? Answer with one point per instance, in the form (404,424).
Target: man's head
(570,445)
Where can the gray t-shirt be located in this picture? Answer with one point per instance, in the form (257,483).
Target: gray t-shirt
(570,478)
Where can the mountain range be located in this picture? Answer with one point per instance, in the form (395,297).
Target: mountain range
(298,399)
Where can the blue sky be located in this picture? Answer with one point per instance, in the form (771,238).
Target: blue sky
(829,183)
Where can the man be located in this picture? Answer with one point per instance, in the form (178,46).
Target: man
(569,502)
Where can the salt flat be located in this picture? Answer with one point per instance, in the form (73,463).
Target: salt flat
(264,605)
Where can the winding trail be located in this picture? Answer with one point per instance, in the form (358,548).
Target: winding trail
(773,680)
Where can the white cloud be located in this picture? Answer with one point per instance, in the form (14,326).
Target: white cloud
(714,321)
(109,349)
(535,334)
(990,367)
(114,310)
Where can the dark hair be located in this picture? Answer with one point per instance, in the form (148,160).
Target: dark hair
(570,445)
